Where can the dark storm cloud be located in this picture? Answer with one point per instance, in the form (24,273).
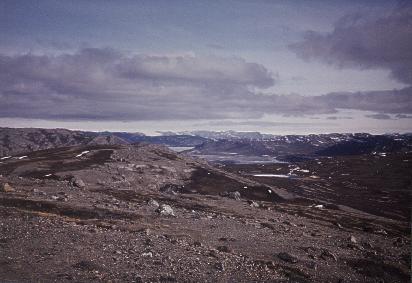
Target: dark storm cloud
(338,118)
(104,84)
(403,116)
(379,116)
(391,101)
(361,42)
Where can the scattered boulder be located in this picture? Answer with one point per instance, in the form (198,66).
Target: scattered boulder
(170,189)
(147,254)
(219,266)
(288,257)
(381,232)
(352,239)
(234,195)
(197,244)
(268,225)
(213,253)
(145,231)
(165,210)
(59,198)
(253,204)
(266,264)
(86,265)
(287,222)
(38,192)
(224,249)
(77,182)
(328,255)
(138,278)
(6,188)
(153,203)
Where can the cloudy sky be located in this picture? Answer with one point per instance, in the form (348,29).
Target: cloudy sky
(271,66)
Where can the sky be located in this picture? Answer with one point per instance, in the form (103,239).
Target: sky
(281,67)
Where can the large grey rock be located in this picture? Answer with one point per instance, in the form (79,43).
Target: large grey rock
(234,195)
(77,182)
(166,210)
(253,203)
(153,203)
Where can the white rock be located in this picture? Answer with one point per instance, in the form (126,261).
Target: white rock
(166,210)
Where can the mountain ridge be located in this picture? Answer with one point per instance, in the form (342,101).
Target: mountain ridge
(21,140)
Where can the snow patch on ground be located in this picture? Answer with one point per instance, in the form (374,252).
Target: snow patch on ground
(273,175)
(83,153)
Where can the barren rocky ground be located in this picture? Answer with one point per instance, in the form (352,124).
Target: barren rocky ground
(142,213)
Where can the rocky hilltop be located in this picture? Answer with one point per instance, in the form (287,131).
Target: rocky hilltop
(143,213)
(19,140)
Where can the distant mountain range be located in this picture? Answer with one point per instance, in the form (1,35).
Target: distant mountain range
(295,147)
(20,140)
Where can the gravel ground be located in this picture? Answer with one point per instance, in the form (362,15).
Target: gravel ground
(95,218)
